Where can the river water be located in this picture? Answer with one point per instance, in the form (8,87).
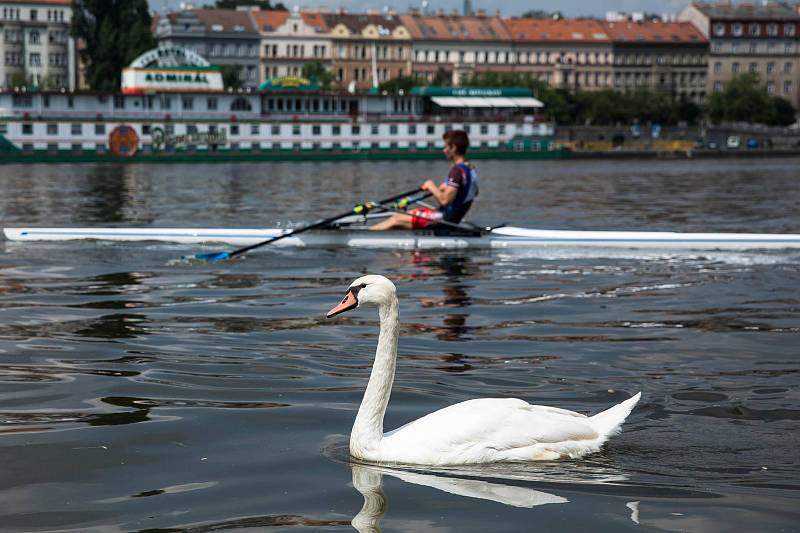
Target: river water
(137,394)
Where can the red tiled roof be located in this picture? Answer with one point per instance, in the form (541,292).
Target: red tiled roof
(356,22)
(654,32)
(315,19)
(455,28)
(561,30)
(269,20)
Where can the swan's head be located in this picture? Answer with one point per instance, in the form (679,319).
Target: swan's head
(367,290)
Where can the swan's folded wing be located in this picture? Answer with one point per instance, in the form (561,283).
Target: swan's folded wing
(500,424)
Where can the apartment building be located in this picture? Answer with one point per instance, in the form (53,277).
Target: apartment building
(757,38)
(36,47)
(569,54)
(668,57)
(457,45)
(291,39)
(222,36)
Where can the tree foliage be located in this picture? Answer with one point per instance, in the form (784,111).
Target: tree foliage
(542,14)
(743,99)
(230,76)
(262,4)
(316,72)
(115,32)
(395,85)
(605,107)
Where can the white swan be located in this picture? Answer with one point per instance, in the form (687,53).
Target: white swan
(475,431)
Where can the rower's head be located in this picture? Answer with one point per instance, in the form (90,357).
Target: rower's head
(456,143)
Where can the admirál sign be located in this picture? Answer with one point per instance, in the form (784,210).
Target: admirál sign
(170,69)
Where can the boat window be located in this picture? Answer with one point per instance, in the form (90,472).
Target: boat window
(119,102)
(356,130)
(52,129)
(375,129)
(3,128)
(191,129)
(412,129)
(484,129)
(275,129)
(234,129)
(336,130)
(241,104)
(76,129)
(296,129)
(393,130)
(100,129)
(501,129)
(316,130)
(254,129)
(431,129)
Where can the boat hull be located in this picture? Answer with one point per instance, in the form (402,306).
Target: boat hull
(503,237)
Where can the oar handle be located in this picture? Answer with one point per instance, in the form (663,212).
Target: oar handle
(358,209)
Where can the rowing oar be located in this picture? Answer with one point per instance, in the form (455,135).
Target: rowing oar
(359,209)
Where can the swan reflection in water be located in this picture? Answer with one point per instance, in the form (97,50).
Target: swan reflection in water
(368,480)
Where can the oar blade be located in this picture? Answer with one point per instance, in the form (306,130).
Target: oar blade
(211,257)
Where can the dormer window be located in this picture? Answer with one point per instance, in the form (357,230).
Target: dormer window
(737,29)
(238,28)
(754,29)
(216,27)
(789,30)
(719,29)
(772,29)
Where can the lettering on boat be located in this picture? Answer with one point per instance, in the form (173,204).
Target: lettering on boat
(161,140)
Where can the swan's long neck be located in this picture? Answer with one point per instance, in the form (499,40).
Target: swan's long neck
(368,427)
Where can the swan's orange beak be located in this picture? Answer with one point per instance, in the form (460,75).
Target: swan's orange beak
(347,303)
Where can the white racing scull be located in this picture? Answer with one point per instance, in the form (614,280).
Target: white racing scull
(498,237)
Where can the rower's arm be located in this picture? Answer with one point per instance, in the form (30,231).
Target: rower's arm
(444,194)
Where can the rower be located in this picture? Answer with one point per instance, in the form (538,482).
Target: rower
(454,195)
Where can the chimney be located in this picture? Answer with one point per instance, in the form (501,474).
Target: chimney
(440,12)
(482,13)
(413,11)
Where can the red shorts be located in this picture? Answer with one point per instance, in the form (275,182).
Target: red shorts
(423,217)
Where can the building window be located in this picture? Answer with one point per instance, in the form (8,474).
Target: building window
(356,130)
(772,29)
(76,129)
(336,130)
(100,129)
(52,129)
(737,29)
(787,87)
(27,129)
(789,30)
(717,67)
(374,129)
(770,68)
(211,104)
(33,37)
(717,86)
(119,102)
(753,67)
(187,102)
(316,130)
(275,129)
(787,67)
(754,29)
(35,59)
(770,87)
(735,68)
(254,129)
(719,29)
(296,129)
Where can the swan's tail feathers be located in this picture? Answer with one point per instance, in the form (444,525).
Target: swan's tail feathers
(609,421)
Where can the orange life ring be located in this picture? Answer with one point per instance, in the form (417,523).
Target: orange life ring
(123,141)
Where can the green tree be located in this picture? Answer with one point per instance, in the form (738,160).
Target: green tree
(395,85)
(744,99)
(316,72)
(443,78)
(20,78)
(233,4)
(230,76)
(542,14)
(115,33)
